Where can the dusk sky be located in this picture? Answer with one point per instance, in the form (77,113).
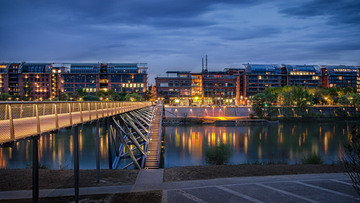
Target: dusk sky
(175,35)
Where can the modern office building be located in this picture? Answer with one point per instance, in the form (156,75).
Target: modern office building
(4,79)
(341,76)
(236,86)
(262,76)
(48,80)
(174,87)
(304,75)
(205,88)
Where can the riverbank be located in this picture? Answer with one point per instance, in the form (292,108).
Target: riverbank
(227,171)
(238,121)
(21,179)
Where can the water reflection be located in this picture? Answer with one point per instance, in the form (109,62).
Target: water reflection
(187,145)
(286,142)
(56,150)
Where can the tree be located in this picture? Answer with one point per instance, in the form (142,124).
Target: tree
(348,90)
(27,90)
(351,160)
(81,92)
(300,96)
(343,100)
(148,95)
(258,104)
(91,98)
(354,99)
(4,96)
(133,97)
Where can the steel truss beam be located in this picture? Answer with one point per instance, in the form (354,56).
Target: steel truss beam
(131,129)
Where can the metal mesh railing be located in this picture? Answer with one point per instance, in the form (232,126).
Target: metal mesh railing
(22,119)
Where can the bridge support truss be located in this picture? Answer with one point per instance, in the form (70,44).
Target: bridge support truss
(129,134)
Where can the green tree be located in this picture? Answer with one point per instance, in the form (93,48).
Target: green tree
(147,95)
(133,97)
(301,97)
(258,104)
(81,92)
(27,90)
(354,99)
(343,100)
(4,96)
(91,98)
(348,90)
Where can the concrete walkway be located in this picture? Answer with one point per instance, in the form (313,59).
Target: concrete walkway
(287,188)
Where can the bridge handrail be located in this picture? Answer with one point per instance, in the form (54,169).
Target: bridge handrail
(22,119)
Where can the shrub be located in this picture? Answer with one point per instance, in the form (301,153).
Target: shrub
(312,159)
(218,155)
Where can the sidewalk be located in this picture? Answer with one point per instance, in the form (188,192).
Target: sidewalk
(287,188)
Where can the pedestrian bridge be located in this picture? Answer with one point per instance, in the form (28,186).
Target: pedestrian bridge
(133,127)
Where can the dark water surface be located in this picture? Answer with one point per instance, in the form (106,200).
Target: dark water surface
(187,145)
(282,143)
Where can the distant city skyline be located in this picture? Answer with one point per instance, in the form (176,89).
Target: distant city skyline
(175,35)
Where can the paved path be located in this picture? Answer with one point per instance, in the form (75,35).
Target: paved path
(152,160)
(288,188)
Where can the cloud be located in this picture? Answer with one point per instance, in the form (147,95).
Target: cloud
(337,11)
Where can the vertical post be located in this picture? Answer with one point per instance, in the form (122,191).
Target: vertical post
(38,130)
(44,109)
(35,171)
(96,109)
(60,108)
(33,110)
(81,114)
(97,151)
(102,109)
(109,134)
(21,110)
(12,131)
(56,117)
(6,110)
(70,116)
(107,108)
(89,107)
(76,162)
(111,108)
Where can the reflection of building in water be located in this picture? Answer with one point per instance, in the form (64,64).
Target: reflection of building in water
(2,159)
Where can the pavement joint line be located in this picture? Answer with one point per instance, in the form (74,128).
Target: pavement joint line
(240,184)
(239,194)
(342,182)
(327,190)
(190,196)
(286,193)
(169,186)
(164,196)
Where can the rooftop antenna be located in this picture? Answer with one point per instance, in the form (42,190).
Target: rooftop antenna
(202,67)
(206,69)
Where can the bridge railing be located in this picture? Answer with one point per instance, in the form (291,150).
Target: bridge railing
(22,119)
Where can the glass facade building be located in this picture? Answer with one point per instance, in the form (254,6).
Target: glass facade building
(236,86)
(47,80)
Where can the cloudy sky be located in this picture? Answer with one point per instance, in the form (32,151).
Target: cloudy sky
(175,35)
